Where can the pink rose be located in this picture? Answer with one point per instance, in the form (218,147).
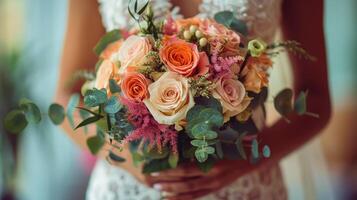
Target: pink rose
(232,95)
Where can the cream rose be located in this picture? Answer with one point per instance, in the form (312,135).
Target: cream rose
(133,51)
(106,71)
(232,95)
(170,98)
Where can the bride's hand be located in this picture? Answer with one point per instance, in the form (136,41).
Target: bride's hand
(189,182)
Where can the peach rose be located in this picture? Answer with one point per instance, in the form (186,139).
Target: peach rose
(135,86)
(180,57)
(133,51)
(170,98)
(110,51)
(232,95)
(106,71)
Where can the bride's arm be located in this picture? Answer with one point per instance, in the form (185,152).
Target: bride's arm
(302,21)
(84,29)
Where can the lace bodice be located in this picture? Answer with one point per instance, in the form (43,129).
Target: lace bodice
(262,18)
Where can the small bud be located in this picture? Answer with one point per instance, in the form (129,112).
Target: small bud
(187,35)
(193,29)
(198,34)
(203,42)
(256,47)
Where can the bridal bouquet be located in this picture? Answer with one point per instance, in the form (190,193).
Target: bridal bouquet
(176,91)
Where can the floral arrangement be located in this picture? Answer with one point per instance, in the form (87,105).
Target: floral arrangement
(176,91)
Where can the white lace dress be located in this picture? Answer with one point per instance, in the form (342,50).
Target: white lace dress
(112,183)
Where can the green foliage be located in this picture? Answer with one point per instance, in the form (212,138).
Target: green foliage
(114,87)
(255,149)
(266,151)
(95,97)
(201,155)
(173,160)
(227,19)
(113,105)
(107,39)
(88,121)
(15,121)
(156,166)
(114,157)
(283,102)
(56,113)
(198,143)
(31,111)
(71,106)
(95,143)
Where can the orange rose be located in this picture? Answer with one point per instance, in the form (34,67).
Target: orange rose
(135,86)
(106,71)
(180,57)
(255,73)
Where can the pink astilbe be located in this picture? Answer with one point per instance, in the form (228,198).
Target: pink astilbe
(223,65)
(147,128)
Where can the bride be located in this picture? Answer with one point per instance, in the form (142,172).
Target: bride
(298,20)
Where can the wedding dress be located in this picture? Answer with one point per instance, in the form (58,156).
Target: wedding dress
(263,20)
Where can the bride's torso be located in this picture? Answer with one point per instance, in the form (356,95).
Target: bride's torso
(263,20)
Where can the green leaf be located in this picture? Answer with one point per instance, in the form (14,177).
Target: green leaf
(31,111)
(113,105)
(87,121)
(143,8)
(255,149)
(173,160)
(212,116)
(209,150)
(88,111)
(107,39)
(114,87)
(283,102)
(15,121)
(199,143)
(224,17)
(95,144)
(239,26)
(95,97)
(192,113)
(56,113)
(266,151)
(210,135)
(210,102)
(115,157)
(300,103)
(199,130)
(155,154)
(156,166)
(71,106)
(201,155)
(137,158)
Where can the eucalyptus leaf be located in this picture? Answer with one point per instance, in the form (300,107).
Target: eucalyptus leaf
(300,103)
(88,111)
(239,26)
(212,116)
(114,87)
(71,106)
(199,143)
(199,130)
(224,17)
(173,160)
(95,97)
(210,102)
(283,102)
(113,105)
(56,113)
(266,151)
(156,166)
(106,40)
(31,111)
(209,150)
(210,135)
(255,149)
(15,121)
(192,113)
(95,143)
(201,155)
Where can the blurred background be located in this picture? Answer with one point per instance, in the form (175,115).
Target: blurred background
(42,163)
